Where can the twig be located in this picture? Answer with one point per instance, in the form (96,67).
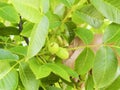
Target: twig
(20,25)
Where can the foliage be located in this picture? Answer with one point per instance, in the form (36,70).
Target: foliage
(39,40)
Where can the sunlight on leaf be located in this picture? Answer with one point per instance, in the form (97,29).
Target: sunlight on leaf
(112,33)
(85,35)
(28,9)
(38,37)
(7,55)
(90,15)
(84,61)
(10,80)
(109,8)
(27,77)
(105,68)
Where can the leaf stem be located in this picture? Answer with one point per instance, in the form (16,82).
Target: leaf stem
(7,43)
(41,61)
(92,46)
(74,7)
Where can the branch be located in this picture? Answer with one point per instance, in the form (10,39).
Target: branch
(20,25)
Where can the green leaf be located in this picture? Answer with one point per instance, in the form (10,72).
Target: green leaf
(27,29)
(115,85)
(43,71)
(38,37)
(2,24)
(90,15)
(84,61)
(20,50)
(76,18)
(8,80)
(77,1)
(58,71)
(44,5)
(32,3)
(46,69)
(3,0)
(117,50)
(67,3)
(71,72)
(59,10)
(112,33)
(5,31)
(50,79)
(109,8)
(54,20)
(7,55)
(27,77)
(8,12)
(28,9)
(37,68)
(70,34)
(85,35)
(105,67)
(68,87)
(89,85)
(53,88)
